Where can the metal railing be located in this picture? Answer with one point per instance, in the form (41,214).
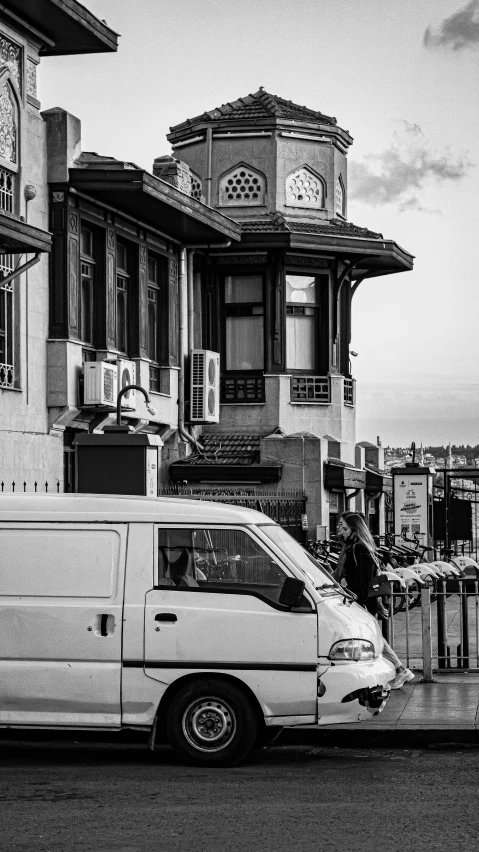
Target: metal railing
(439,631)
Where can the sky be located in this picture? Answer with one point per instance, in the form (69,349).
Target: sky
(403,78)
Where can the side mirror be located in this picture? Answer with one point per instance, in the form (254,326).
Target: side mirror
(292,592)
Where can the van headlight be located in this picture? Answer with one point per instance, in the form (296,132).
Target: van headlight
(352,649)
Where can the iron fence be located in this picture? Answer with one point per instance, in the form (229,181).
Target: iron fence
(31,488)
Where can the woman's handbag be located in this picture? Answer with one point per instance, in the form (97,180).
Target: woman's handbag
(379,586)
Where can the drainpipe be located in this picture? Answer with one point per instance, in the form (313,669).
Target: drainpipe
(349,497)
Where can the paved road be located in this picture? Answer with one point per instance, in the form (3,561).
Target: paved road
(87,797)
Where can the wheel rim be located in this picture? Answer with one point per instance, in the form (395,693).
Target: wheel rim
(209,724)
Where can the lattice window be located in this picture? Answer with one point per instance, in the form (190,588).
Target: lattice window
(305,189)
(8,125)
(7,369)
(340,198)
(237,389)
(242,187)
(196,187)
(310,389)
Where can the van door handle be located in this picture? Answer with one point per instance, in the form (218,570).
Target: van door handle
(166,616)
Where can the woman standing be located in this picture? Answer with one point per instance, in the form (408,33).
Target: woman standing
(357,565)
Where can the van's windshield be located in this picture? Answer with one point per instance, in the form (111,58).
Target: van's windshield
(317,575)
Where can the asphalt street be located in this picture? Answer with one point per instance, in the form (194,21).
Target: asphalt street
(109,797)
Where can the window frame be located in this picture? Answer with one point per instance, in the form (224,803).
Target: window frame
(247,272)
(90,261)
(125,277)
(8,335)
(217,589)
(321,324)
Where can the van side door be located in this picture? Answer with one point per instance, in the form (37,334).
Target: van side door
(61,607)
(216,607)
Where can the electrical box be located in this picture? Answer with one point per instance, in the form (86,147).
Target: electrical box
(117,462)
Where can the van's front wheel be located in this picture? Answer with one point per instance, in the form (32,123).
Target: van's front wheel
(211,723)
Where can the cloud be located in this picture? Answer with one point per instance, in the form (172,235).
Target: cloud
(459,31)
(395,175)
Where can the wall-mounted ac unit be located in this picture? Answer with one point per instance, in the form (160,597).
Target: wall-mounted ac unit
(205,386)
(127,376)
(100,383)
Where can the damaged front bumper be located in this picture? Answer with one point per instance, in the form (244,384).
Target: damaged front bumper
(353,692)
(374,698)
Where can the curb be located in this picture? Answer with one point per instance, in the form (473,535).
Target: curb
(390,737)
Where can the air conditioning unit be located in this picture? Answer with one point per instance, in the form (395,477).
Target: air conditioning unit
(100,383)
(127,376)
(205,386)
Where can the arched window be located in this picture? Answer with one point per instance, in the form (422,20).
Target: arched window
(340,197)
(242,187)
(304,188)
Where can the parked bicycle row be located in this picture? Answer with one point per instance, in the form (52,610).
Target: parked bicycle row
(403,563)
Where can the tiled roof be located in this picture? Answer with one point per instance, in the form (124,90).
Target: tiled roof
(262,105)
(274,222)
(227,449)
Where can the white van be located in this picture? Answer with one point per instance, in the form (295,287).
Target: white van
(198,621)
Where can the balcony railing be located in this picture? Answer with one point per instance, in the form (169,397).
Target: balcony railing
(349,392)
(310,389)
(242,389)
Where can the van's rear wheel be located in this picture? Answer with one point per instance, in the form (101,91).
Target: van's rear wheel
(211,723)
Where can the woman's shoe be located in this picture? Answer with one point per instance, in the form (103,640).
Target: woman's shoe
(401,678)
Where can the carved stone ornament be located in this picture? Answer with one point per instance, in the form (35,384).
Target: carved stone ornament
(11,56)
(58,196)
(307,261)
(242,259)
(8,126)
(31,78)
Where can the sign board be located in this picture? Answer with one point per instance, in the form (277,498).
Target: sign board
(151,472)
(411,505)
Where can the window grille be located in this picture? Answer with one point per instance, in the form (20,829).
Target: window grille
(242,187)
(340,198)
(7,186)
(196,187)
(304,189)
(7,368)
(310,389)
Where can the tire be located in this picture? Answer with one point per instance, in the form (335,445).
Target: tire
(211,723)
(267,736)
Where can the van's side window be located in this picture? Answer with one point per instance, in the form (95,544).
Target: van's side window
(223,559)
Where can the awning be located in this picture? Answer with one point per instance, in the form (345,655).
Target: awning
(16,237)
(378,482)
(155,202)
(224,473)
(65,25)
(337,477)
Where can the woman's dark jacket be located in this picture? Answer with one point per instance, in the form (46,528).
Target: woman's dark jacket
(359,569)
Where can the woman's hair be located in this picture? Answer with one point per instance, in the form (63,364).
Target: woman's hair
(360,529)
(356,522)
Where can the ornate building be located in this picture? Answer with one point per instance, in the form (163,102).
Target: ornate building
(30,451)
(278,306)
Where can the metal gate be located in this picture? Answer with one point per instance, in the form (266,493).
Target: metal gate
(287,508)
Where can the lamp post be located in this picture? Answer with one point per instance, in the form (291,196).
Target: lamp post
(118,426)
(119,460)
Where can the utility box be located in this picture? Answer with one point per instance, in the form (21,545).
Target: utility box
(117,462)
(413,503)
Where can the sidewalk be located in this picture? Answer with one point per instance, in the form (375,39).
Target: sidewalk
(446,711)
